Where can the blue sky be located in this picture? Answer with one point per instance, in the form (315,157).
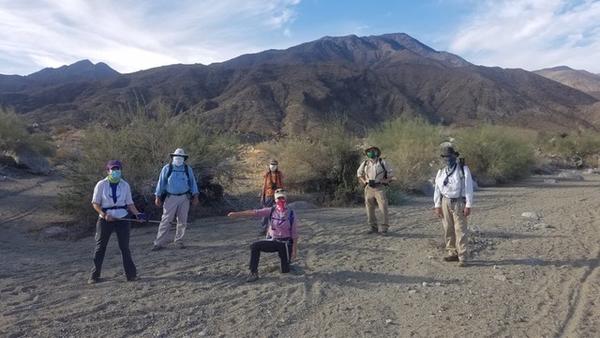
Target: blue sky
(131,35)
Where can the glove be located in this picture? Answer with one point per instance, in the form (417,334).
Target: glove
(142,216)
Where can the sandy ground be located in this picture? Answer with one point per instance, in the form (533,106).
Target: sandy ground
(527,278)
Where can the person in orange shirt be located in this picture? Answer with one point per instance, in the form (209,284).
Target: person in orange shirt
(272,180)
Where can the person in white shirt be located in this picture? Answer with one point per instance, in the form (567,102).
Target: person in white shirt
(375,174)
(453,199)
(112,201)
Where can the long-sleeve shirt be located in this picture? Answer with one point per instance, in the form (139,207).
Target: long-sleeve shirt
(178,182)
(104,196)
(272,182)
(279,224)
(374,170)
(457,186)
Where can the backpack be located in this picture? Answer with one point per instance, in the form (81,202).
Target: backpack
(163,196)
(385,173)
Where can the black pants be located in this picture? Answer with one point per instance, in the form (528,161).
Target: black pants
(283,247)
(103,231)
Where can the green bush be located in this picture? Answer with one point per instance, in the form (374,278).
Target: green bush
(323,162)
(411,147)
(570,148)
(14,135)
(495,153)
(143,144)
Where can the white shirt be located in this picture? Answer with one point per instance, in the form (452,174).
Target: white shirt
(103,196)
(457,186)
(373,170)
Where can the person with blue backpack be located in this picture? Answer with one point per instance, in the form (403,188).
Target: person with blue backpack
(282,234)
(175,189)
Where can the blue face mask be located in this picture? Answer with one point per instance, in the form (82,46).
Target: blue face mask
(115,175)
(450,161)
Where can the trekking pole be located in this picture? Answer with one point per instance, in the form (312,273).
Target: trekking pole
(148,221)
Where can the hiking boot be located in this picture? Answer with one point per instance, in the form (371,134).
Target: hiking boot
(383,232)
(462,264)
(451,258)
(93,280)
(252,277)
(156,248)
(372,230)
(133,279)
(180,245)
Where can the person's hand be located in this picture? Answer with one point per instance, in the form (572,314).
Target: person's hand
(467,212)
(158,202)
(438,212)
(109,218)
(231,214)
(142,217)
(195,200)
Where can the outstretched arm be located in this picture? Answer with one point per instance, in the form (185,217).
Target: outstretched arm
(240,214)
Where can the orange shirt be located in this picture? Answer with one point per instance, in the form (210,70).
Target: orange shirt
(272,182)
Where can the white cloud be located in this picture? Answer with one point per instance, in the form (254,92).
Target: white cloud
(131,35)
(532,34)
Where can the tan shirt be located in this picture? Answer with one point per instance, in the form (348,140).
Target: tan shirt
(373,170)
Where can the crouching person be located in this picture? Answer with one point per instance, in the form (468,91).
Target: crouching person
(282,234)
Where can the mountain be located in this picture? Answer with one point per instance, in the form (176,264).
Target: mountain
(81,71)
(363,80)
(579,79)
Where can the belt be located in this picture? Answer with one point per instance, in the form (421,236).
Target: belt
(114,208)
(283,239)
(456,199)
(184,193)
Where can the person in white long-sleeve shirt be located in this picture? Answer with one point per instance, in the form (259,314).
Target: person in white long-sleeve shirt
(453,199)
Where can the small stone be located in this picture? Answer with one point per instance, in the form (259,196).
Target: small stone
(438,284)
(412,292)
(500,277)
(495,267)
(388,321)
(563,266)
(425,284)
(530,214)
(550,181)
(429,257)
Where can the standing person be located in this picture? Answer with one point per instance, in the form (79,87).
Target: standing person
(375,174)
(282,234)
(272,180)
(175,188)
(453,198)
(112,201)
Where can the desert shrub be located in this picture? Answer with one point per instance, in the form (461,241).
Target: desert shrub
(582,148)
(322,162)
(410,146)
(14,136)
(143,144)
(496,153)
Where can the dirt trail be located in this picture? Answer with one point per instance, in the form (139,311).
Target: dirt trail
(528,278)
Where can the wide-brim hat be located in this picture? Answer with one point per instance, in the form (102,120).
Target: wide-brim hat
(373,148)
(274,162)
(280,193)
(179,152)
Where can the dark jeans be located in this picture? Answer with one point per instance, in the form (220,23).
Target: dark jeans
(283,247)
(269,202)
(103,231)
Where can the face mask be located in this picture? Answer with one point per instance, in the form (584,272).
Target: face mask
(451,161)
(114,176)
(280,204)
(177,161)
(273,167)
(371,154)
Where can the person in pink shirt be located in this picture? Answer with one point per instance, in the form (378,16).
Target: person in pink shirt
(282,234)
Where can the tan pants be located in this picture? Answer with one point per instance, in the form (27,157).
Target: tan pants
(373,198)
(455,227)
(174,206)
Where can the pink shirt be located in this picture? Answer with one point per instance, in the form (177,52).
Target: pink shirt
(279,225)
